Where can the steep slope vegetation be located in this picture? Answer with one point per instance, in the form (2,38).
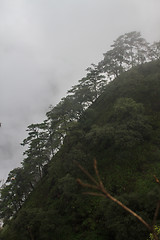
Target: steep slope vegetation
(122,131)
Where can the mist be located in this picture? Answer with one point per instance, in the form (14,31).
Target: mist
(45,48)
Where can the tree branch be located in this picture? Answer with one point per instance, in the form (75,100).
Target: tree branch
(104,193)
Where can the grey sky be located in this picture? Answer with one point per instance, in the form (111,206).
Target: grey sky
(45,47)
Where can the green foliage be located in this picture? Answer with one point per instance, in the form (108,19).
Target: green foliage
(127,126)
(41,199)
(157,229)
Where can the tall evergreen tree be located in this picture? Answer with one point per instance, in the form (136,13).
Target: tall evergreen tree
(127,51)
(37,153)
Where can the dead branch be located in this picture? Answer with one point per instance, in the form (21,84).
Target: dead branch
(156,179)
(98,185)
(86,173)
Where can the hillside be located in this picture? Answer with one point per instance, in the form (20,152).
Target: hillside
(121,129)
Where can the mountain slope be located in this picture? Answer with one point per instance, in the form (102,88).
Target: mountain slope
(122,131)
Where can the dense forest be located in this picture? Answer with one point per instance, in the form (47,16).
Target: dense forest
(111,115)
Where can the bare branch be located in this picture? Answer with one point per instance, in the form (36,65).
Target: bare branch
(86,173)
(156,214)
(87,185)
(97,173)
(104,193)
(156,179)
(128,210)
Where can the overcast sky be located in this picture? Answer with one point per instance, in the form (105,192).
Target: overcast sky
(45,47)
